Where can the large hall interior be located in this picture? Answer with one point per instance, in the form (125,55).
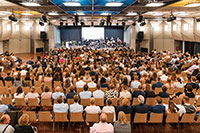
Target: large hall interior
(99,66)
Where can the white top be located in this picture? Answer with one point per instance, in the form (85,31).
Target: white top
(164,78)
(98,94)
(32,95)
(55,95)
(85,94)
(76,107)
(178,85)
(80,84)
(60,107)
(93,109)
(135,84)
(92,85)
(109,109)
(9,129)
(23,72)
(125,94)
(21,95)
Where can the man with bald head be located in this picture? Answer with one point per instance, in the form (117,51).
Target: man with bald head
(58,93)
(4,124)
(102,126)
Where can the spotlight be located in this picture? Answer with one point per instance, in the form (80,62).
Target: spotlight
(123,23)
(61,23)
(117,24)
(140,18)
(102,22)
(66,24)
(143,23)
(108,19)
(76,19)
(171,18)
(12,17)
(198,19)
(44,18)
(82,23)
(50,23)
(41,22)
(134,23)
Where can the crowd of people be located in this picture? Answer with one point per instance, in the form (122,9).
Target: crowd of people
(118,74)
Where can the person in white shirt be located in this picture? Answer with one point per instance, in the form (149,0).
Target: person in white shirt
(125,93)
(4,124)
(135,83)
(76,107)
(98,93)
(92,108)
(92,84)
(60,107)
(23,72)
(164,77)
(80,83)
(19,93)
(58,93)
(85,94)
(109,108)
(32,94)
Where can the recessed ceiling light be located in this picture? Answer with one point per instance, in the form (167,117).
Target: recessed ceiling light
(114,4)
(26,13)
(30,4)
(79,13)
(53,13)
(4,13)
(157,13)
(182,13)
(192,5)
(131,14)
(157,4)
(72,3)
(105,13)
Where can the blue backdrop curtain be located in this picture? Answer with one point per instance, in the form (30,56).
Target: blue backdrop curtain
(70,33)
(114,32)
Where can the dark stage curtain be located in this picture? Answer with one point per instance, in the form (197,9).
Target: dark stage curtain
(70,33)
(114,32)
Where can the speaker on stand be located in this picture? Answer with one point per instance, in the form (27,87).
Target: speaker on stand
(140,37)
(43,37)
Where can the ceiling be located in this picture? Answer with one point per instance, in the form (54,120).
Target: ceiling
(92,10)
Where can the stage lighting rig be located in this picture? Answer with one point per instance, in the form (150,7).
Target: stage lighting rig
(12,17)
(140,18)
(143,23)
(41,22)
(44,18)
(171,18)
(76,20)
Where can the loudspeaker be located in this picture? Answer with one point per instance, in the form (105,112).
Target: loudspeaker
(43,35)
(144,50)
(140,36)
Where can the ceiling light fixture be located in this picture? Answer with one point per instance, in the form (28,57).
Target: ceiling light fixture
(2,13)
(26,14)
(105,14)
(131,14)
(155,4)
(171,18)
(12,17)
(140,18)
(30,3)
(114,4)
(143,23)
(53,13)
(196,3)
(79,13)
(72,3)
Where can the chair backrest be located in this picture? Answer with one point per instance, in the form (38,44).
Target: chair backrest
(1,114)
(150,101)
(92,117)
(198,102)
(110,117)
(114,102)
(57,83)
(60,117)
(38,90)
(140,118)
(6,100)
(4,90)
(76,117)
(135,102)
(48,83)
(187,118)
(33,102)
(78,90)
(92,89)
(165,100)
(13,90)
(157,90)
(37,83)
(156,118)
(104,90)
(121,99)
(99,101)
(32,116)
(170,91)
(8,83)
(128,116)
(176,100)
(26,89)
(1,83)
(46,102)
(70,101)
(85,102)
(192,100)
(172,118)
(44,116)
(179,90)
(20,102)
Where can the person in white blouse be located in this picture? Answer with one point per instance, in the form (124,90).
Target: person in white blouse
(60,107)
(125,93)
(80,83)
(32,94)
(98,93)
(92,84)
(92,108)
(76,107)
(109,108)
(19,93)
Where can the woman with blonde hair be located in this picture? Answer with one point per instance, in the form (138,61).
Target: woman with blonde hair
(122,125)
(24,125)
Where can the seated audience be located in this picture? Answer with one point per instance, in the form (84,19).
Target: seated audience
(85,94)
(58,93)
(179,83)
(158,84)
(172,108)
(102,126)
(148,92)
(158,108)
(103,83)
(23,125)
(138,92)
(193,83)
(9,78)
(135,83)
(98,93)
(92,108)
(125,93)
(72,93)
(111,93)
(60,107)
(32,94)
(76,107)
(92,84)
(4,124)
(109,108)
(122,125)
(125,107)
(164,93)
(17,81)
(46,94)
(80,83)
(188,92)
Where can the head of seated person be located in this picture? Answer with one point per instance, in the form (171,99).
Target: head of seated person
(125,102)
(109,102)
(46,89)
(103,118)
(32,89)
(85,87)
(164,89)
(92,101)
(189,88)
(5,119)
(72,88)
(158,100)
(60,100)
(140,99)
(122,118)
(76,98)
(58,89)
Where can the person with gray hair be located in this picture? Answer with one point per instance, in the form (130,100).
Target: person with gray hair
(102,126)
(4,124)
(141,107)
